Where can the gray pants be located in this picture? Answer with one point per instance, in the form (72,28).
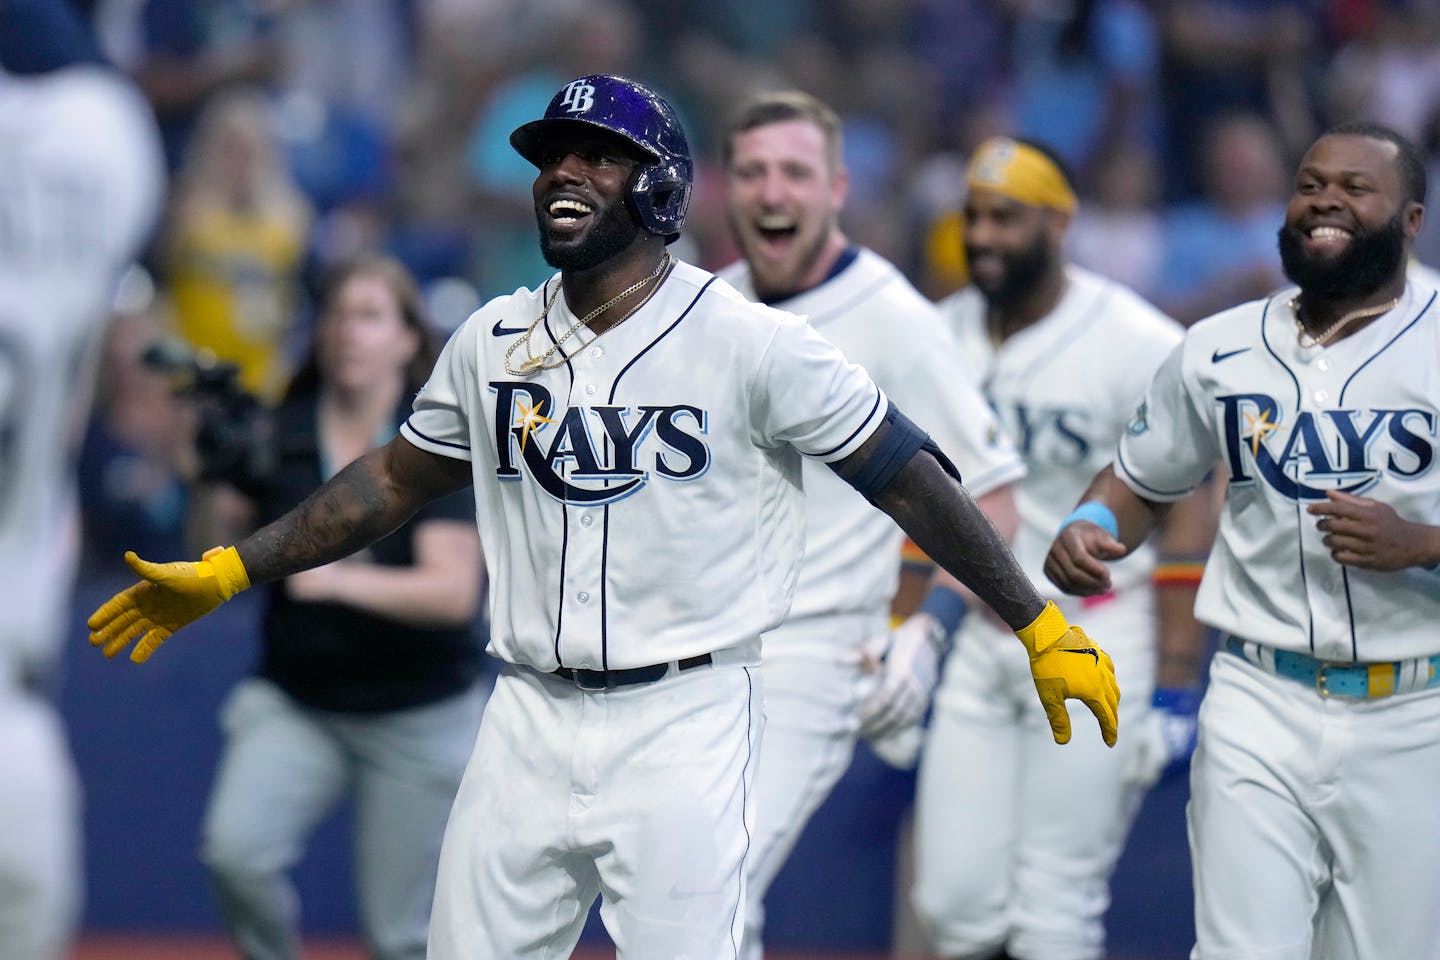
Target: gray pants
(285,767)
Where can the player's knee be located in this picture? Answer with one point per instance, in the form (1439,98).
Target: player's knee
(960,927)
(233,859)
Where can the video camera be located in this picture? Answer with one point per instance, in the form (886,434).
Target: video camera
(234,440)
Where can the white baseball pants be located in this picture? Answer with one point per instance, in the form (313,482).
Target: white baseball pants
(1313,821)
(1016,836)
(643,795)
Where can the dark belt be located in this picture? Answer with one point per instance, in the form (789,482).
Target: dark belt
(610,679)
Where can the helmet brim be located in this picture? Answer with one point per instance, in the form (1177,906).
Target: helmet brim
(527,138)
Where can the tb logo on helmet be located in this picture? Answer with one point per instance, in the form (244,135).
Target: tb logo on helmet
(578,96)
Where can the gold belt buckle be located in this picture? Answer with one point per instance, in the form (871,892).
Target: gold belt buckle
(1377,684)
(1325,666)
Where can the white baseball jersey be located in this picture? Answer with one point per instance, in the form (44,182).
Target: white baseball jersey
(1065,387)
(641,502)
(81,182)
(878,320)
(1287,423)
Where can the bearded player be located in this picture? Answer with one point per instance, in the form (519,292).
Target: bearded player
(834,671)
(1313,788)
(1026,872)
(633,429)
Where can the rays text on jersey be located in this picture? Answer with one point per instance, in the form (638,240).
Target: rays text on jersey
(594,455)
(1318,451)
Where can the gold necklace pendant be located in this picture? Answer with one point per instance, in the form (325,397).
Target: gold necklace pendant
(535,364)
(1310,340)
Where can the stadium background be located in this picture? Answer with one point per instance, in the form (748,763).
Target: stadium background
(380,124)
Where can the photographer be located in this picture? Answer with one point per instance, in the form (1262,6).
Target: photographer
(367,680)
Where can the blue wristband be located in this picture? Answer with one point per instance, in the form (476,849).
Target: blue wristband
(946,606)
(1177,700)
(1098,514)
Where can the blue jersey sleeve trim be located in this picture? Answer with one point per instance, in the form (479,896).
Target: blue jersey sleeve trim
(409,425)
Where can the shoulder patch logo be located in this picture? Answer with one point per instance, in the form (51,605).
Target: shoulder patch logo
(1218,356)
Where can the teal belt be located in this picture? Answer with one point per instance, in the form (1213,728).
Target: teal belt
(1340,679)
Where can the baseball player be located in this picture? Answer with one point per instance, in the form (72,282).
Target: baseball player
(1313,787)
(633,429)
(785,186)
(1027,871)
(81,182)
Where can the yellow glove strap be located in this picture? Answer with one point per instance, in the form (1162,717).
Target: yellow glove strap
(229,571)
(1044,630)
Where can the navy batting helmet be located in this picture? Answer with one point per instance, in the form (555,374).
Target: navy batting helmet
(659,191)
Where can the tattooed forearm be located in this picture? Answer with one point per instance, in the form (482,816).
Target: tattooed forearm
(943,520)
(357,507)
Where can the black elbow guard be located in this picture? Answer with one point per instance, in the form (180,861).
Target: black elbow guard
(895,448)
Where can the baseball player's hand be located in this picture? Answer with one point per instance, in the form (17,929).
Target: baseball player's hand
(1166,735)
(1361,532)
(168,596)
(1076,561)
(1067,665)
(908,661)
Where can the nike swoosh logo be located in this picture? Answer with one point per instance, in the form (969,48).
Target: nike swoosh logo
(500,330)
(1217,356)
(1090,650)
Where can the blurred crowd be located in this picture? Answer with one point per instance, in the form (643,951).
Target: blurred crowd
(300,133)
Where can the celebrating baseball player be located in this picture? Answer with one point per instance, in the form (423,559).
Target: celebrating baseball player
(786,186)
(1314,784)
(633,429)
(1027,870)
(81,186)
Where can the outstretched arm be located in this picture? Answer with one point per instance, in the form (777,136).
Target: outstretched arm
(359,505)
(945,521)
(928,502)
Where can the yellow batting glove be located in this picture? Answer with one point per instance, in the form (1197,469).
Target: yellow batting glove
(168,596)
(1066,664)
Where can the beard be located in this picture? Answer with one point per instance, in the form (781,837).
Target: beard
(776,282)
(1371,258)
(612,231)
(1024,269)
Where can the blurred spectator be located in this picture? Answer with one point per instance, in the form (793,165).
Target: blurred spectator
(1390,73)
(184,52)
(1086,74)
(1427,244)
(963,43)
(1118,231)
(234,247)
(1220,249)
(348,65)
(1224,56)
(138,451)
(368,677)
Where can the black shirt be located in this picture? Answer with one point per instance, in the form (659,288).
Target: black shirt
(330,656)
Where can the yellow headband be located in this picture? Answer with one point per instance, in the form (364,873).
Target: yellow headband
(1020,172)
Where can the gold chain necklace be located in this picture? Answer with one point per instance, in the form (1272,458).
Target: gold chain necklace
(536,364)
(1308,339)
